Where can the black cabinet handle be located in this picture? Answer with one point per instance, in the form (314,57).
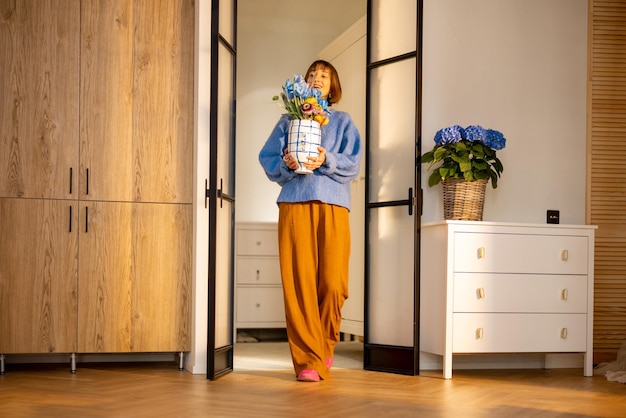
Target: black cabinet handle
(70,218)
(86,219)
(71,180)
(87,182)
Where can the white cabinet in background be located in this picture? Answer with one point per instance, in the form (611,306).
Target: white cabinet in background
(258,290)
(490,287)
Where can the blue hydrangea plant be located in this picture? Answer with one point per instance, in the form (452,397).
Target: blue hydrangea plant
(465,153)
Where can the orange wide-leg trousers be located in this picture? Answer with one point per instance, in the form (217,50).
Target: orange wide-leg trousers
(314,248)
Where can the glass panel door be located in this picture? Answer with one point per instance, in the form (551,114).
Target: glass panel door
(392,179)
(221,189)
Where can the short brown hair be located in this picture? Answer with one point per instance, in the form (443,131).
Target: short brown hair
(334,95)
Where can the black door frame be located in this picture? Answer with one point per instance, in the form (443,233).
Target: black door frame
(378,357)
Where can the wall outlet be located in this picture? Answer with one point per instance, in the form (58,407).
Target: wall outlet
(553,216)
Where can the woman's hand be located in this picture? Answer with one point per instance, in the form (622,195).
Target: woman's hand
(290,161)
(316,162)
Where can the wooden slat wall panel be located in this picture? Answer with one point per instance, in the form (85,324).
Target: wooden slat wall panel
(606,171)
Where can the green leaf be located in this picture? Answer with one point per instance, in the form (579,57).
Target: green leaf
(482,175)
(460,146)
(444,172)
(428,157)
(498,166)
(466,167)
(434,179)
(480,164)
(440,154)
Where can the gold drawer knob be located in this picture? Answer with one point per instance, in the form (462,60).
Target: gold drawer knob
(564,255)
(479,333)
(563,333)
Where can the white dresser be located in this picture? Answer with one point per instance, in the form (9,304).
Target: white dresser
(258,290)
(490,287)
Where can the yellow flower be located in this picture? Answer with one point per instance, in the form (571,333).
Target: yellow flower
(321,119)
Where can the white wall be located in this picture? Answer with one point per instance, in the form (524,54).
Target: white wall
(519,67)
(196,361)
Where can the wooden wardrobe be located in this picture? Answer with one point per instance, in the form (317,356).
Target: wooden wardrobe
(96,151)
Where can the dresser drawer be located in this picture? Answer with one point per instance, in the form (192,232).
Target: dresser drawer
(257,304)
(258,271)
(522,293)
(518,333)
(520,253)
(257,242)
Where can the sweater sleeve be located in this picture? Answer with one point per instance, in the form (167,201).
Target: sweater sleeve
(343,156)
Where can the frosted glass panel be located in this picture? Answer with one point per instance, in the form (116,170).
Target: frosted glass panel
(223,276)
(227,20)
(391,277)
(394,28)
(225,124)
(392,131)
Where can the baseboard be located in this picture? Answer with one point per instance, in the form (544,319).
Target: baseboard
(349,326)
(91,358)
(430,361)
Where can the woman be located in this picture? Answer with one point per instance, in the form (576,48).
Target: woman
(314,229)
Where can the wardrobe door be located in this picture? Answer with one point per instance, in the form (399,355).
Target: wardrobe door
(163,101)
(137,101)
(135,277)
(38,275)
(161,277)
(39,97)
(105,281)
(106,95)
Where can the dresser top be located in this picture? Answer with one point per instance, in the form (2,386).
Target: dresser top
(487,224)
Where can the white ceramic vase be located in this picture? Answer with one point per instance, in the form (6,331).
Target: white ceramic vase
(304,137)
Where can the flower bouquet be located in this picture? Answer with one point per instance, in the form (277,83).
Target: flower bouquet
(308,113)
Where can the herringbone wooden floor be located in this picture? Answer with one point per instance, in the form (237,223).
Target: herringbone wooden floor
(154,390)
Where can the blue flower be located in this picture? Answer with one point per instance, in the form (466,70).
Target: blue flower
(495,139)
(449,135)
(301,88)
(288,89)
(475,133)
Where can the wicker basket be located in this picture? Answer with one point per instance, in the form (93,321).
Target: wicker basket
(464,200)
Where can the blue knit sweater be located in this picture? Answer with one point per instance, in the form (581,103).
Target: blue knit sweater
(331,182)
